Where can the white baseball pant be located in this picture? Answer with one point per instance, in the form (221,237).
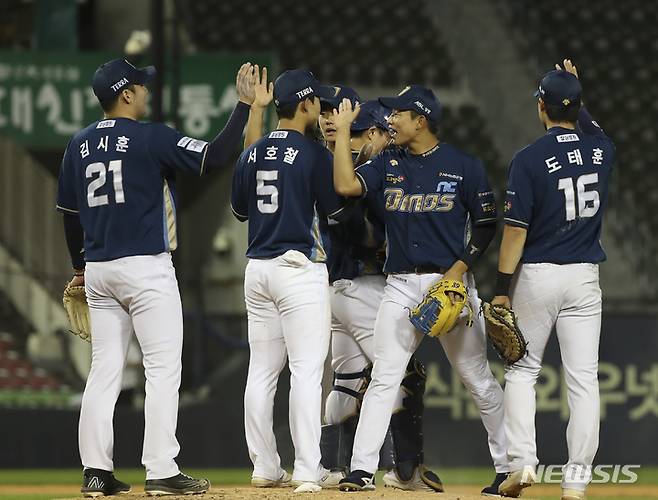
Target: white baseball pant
(567,297)
(396,340)
(354,306)
(137,293)
(287,300)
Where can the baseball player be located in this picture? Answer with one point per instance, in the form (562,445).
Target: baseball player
(556,195)
(117,193)
(355,263)
(283,186)
(432,193)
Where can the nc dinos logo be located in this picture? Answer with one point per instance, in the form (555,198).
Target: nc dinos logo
(398,201)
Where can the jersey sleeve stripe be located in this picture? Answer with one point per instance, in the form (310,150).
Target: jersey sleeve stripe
(64,209)
(488,219)
(335,213)
(239,216)
(364,186)
(514,222)
(203,160)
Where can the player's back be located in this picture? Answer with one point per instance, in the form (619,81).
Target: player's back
(559,188)
(118,175)
(283,184)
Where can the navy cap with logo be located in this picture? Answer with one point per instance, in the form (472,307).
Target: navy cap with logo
(111,77)
(295,85)
(415,98)
(372,114)
(559,87)
(340,92)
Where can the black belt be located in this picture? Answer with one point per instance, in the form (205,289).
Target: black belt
(427,270)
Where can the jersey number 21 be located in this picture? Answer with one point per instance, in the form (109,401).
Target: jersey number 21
(99,169)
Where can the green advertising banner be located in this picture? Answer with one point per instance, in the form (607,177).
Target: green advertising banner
(46,97)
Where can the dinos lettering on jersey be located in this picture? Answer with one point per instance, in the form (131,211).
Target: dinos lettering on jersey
(398,201)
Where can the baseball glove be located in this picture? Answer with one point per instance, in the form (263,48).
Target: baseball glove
(504,333)
(437,314)
(77,310)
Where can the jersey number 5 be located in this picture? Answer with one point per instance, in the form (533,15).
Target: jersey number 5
(262,189)
(98,168)
(588,201)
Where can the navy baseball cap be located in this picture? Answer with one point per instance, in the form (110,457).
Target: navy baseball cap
(372,114)
(295,85)
(559,87)
(111,77)
(415,98)
(339,93)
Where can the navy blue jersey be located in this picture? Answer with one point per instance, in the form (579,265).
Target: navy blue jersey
(283,184)
(557,189)
(356,246)
(429,202)
(118,175)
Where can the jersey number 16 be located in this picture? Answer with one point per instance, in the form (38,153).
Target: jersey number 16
(588,201)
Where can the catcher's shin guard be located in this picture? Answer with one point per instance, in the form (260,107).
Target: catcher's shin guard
(407,424)
(337,440)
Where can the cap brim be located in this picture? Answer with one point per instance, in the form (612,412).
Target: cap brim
(391,102)
(324,92)
(145,75)
(330,103)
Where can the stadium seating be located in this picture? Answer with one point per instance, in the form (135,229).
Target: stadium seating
(21,383)
(380,43)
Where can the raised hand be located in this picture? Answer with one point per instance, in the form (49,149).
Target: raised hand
(263,91)
(569,67)
(345,114)
(245,83)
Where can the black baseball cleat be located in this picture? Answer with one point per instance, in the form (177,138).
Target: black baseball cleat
(357,480)
(101,483)
(181,484)
(492,489)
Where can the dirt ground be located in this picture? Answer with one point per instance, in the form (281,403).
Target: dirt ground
(460,492)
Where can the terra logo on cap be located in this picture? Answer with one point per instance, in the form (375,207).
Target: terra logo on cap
(111,77)
(295,85)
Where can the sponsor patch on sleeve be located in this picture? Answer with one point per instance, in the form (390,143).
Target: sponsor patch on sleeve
(191,144)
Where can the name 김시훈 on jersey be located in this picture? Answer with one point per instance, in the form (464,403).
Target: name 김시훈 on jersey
(119,176)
